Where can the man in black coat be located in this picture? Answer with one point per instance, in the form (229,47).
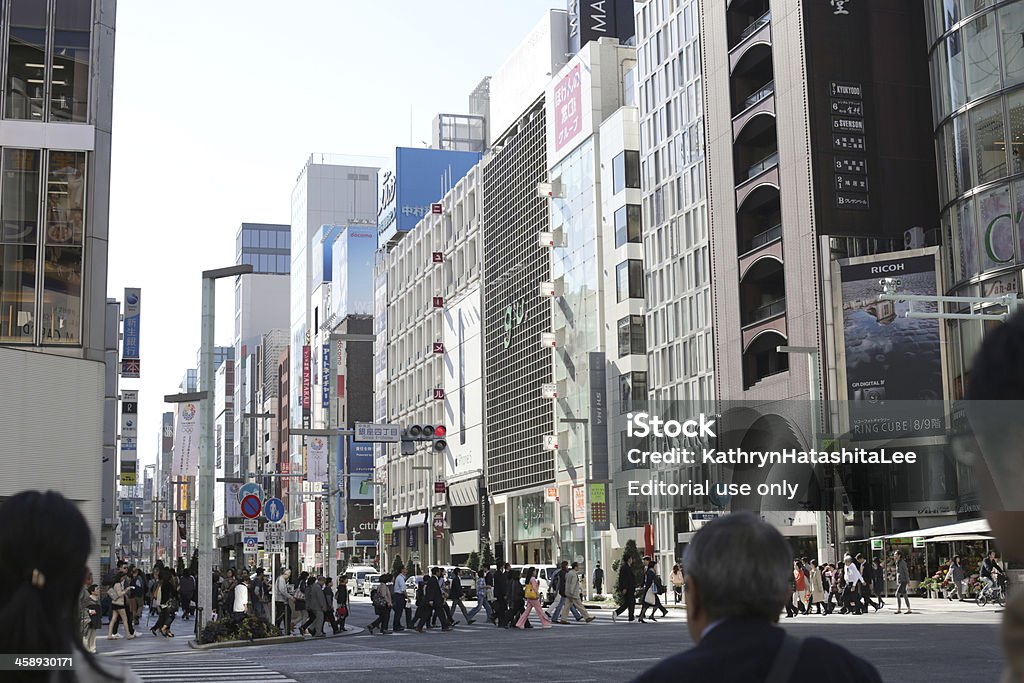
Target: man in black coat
(501,596)
(627,588)
(434,598)
(737,580)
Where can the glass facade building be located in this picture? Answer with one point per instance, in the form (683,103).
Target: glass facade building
(977,72)
(264,246)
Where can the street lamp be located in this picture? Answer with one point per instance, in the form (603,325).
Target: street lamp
(821,534)
(206,454)
(587,532)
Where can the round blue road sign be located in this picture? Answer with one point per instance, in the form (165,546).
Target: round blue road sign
(274,510)
(251,506)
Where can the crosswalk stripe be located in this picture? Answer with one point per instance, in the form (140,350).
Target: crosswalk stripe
(157,669)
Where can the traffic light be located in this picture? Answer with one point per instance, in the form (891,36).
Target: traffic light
(428,433)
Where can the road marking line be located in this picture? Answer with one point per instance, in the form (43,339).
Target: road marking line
(481,666)
(616,661)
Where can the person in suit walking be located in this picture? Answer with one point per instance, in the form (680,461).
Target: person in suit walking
(626,589)
(433,602)
(738,572)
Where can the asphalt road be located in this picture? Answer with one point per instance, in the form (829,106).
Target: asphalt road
(936,643)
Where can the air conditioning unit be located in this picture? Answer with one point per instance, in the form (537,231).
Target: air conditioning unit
(913,238)
(550,289)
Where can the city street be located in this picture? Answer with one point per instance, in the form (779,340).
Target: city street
(925,646)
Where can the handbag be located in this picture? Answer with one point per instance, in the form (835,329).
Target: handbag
(342,612)
(651,596)
(489,594)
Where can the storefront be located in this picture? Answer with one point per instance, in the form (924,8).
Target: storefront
(533,529)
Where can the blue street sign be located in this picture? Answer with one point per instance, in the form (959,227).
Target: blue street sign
(274,510)
(250,489)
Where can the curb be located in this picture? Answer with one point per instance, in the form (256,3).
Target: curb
(277,640)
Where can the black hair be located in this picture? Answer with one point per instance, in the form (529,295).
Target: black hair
(998,370)
(45,543)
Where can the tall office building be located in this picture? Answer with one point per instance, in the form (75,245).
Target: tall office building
(264,246)
(677,254)
(977,77)
(819,153)
(58,58)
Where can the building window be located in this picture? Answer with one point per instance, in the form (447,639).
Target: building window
(629,279)
(631,511)
(627,224)
(61,313)
(632,335)
(26,60)
(70,87)
(989,141)
(625,171)
(19,202)
(632,391)
(982,63)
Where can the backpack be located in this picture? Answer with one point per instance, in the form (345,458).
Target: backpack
(377,598)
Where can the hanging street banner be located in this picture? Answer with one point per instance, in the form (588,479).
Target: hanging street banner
(129,437)
(185,461)
(325,377)
(316,459)
(180,519)
(130,345)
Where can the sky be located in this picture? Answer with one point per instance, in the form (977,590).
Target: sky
(217,106)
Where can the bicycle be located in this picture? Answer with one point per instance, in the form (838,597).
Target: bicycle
(995,592)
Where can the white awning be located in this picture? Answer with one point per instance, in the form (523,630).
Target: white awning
(400,522)
(975,526)
(959,537)
(464,493)
(417,519)
(464,542)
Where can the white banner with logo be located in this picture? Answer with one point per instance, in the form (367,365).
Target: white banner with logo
(185,460)
(316,459)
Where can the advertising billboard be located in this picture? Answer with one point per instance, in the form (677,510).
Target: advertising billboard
(569,101)
(886,355)
(130,346)
(594,19)
(464,386)
(421,177)
(352,288)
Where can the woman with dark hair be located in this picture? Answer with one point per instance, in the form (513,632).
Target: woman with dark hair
(531,595)
(44,546)
(167,599)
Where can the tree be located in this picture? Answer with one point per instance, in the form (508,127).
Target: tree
(488,556)
(411,567)
(629,551)
(474,561)
(396,566)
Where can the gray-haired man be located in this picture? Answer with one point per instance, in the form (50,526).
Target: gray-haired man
(738,571)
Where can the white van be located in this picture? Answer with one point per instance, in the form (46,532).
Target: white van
(357,578)
(545,572)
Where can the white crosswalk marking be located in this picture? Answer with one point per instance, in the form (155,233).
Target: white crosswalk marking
(200,668)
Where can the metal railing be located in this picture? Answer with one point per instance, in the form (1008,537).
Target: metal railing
(765,91)
(766,163)
(755,26)
(763,238)
(768,310)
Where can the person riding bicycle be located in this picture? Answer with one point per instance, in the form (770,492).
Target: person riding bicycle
(990,566)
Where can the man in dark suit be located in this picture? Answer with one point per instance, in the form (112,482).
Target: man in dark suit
(626,588)
(501,596)
(433,603)
(737,581)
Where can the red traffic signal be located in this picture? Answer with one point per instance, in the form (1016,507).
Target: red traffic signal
(440,432)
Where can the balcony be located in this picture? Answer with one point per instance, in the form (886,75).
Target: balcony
(764,245)
(762,238)
(766,311)
(761,166)
(755,26)
(755,40)
(760,358)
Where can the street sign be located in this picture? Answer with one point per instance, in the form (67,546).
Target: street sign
(273,537)
(250,527)
(439,487)
(250,489)
(273,510)
(251,506)
(251,545)
(377,433)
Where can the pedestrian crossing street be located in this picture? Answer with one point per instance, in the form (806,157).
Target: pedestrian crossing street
(200,667)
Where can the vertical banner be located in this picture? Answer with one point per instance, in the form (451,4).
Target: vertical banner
(129,437)
(599,506)
(888,356)
(388,531)
(579,504)
(130,345)
(185,460)
(307,370)
(485,515)
(325,377)
(316,459)
(598,416)
(181,520)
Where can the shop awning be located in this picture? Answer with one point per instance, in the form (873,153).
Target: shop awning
(464,493)
(417,519)
(959,537)
(975,526)
(400,522)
